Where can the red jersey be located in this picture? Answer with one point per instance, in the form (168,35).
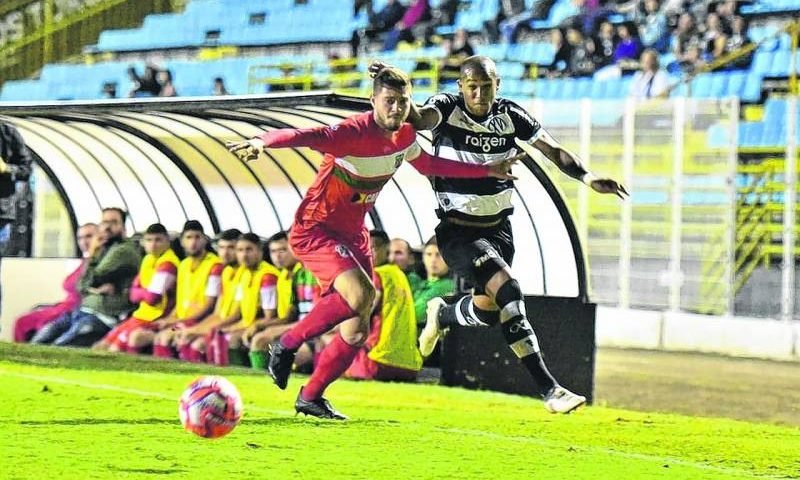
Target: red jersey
(360,157)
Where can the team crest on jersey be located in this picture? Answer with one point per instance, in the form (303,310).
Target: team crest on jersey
(498,124)
(343,251)
(364,197)
(398,160)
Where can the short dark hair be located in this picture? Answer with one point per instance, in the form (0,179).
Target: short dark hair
(122,213)
(379,237)
(432,241)
(390,77)
(230,235)
(193,226)
(156,229)
(252,238)
(479,64)
(280,236)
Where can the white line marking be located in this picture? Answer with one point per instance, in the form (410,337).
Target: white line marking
(477,433)
(132,391)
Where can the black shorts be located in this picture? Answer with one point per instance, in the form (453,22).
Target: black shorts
(476,254)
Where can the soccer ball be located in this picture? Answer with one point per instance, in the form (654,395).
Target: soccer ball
(210,407)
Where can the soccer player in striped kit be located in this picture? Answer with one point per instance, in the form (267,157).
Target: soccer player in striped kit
(474,235)
(329,236)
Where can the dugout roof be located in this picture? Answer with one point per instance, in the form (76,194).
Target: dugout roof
(165,160)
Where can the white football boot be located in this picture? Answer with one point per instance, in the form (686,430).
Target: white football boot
(431,332)
(561,400)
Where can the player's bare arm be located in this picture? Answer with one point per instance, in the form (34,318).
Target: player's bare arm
(570,164)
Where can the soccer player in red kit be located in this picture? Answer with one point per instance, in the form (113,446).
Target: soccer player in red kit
(329,236)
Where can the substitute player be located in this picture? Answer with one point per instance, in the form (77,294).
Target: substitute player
(153,290)
(328,235)
(476,127)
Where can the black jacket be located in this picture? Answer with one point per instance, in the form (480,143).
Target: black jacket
(16,155)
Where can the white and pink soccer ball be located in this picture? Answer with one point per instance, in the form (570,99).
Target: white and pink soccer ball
(210,407)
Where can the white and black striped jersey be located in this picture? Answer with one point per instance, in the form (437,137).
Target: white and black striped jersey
(462,137)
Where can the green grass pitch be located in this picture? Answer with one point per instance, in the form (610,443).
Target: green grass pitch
(77,415)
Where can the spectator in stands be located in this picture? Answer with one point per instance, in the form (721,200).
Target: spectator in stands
(438,283)
(30,323)
(145,86)
(380,22)
(296,291)
(417,11)
(219,87)
(400,254)
(509,16)
(650,81)
(629,46)
(198,287)
(457,50)
(737,40)
(256,296)
(692,62)
(684,36)
(390,352)
(605,43)
(153,290)
(109,90)
(653,26)
(563,54)
(714,38)
(103,286)
(167,87)
(581,62)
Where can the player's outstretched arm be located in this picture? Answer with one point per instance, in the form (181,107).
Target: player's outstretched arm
(427,164)
(320,138)
(570,164)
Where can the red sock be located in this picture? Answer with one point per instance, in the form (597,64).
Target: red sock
(162,351)
(330,311)
(196,356)
(133,350)
(333,362)
(185,352)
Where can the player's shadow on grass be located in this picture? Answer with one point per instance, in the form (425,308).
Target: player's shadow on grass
(103,421)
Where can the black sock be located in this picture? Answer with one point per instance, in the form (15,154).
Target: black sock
(466,314)
(520,336)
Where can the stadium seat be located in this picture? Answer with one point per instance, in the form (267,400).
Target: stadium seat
(780,64)
(752,88)
(736,84)
(701,86)
(719,84)
(762,62)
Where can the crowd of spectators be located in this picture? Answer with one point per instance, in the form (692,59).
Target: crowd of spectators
(224,300)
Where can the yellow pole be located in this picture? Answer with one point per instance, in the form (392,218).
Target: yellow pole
(47,38)
(793,63)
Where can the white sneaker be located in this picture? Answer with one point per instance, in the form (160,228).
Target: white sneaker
(561,400)
(431,332)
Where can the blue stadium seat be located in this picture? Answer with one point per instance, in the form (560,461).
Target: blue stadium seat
(701,86)
(762,62)
(545,88)
(583,87)
(599,89)
(780,64)
(752,88)
(736,84)
(719,84)
(718,136)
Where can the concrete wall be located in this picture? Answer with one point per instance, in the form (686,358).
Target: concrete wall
(27,282)
(677,331)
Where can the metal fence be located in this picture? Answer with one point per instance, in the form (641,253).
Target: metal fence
(709,226)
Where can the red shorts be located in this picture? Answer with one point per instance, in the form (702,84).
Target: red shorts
(326,254)
(121,333)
